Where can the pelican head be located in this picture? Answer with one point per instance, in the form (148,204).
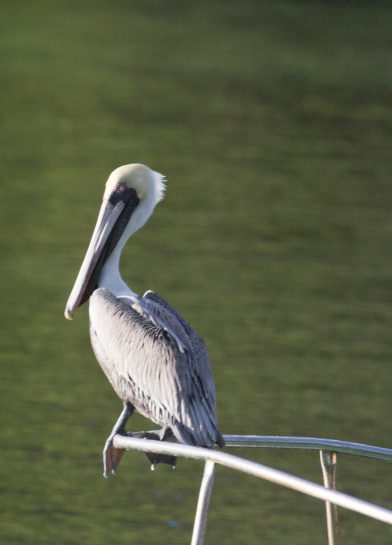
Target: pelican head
(131,194)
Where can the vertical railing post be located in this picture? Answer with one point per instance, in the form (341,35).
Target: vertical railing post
(328,461)
(200,524)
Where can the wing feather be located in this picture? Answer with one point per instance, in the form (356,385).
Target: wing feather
(156,361)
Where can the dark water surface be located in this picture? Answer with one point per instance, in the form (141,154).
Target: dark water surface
(273,124)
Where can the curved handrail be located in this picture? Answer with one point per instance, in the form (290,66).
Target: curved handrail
(260,470)
(309,443)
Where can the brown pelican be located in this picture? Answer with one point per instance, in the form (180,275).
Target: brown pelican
(156,363)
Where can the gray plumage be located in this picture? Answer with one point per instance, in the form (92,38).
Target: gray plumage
(157,362)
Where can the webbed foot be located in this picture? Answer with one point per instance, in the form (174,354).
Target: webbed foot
(163,435)
(111,458)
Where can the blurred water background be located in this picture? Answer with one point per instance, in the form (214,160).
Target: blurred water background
(272,121)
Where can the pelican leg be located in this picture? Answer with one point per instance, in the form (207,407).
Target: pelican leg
(165,433)
(112,455)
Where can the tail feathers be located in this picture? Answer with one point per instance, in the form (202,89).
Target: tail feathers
(220,441)
(187,436)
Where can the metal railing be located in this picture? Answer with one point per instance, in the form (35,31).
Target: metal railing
(328,456)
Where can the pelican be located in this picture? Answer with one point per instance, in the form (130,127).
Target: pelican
(156,363)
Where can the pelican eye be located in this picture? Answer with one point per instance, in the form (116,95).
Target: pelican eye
(125,194)
(120,187)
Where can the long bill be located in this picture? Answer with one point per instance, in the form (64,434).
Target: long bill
(113,218)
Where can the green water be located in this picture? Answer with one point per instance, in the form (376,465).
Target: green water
(273,124)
